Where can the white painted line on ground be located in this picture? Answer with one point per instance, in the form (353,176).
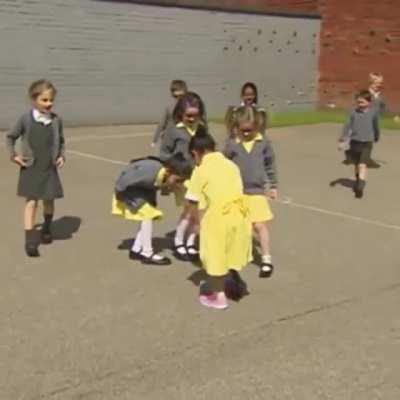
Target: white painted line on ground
(287,201)
(94,157)
(83,138)
(290,203)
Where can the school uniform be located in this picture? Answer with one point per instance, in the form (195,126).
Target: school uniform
(42,143)
(256,162)
(176,140)
(136,188)
(378,102)
(167,121)
(225,229)
(361,131)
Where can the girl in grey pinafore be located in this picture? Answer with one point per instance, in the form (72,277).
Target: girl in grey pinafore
(41,154)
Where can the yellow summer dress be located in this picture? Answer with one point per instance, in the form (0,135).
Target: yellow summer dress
(225,230)
(145,212)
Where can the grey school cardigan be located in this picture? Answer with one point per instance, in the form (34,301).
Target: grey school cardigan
(175,140)
(22,130)
(135,185)
(362,126)
(257,168)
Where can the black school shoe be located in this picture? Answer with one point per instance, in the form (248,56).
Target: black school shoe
(133,255)
(32,250)
(155,259)
(193,253)
(181,256)
(266,270)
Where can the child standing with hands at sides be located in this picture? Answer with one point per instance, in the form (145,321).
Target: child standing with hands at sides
(178,88)
(42,154)
(225,229)
(189,118)
(249,98)
(135,199)
(252,152)
(359,134)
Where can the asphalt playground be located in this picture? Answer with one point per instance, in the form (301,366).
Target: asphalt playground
(85,323)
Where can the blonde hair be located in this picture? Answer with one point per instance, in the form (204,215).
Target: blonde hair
(38,87)
(235,116)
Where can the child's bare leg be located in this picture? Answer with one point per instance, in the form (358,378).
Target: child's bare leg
(262,233)
(362,173)
(30,214)
(261,228)
(31,240)
(363,169)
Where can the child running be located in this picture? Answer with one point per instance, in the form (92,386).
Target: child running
(188,116)
(178,88)
(135,199)
(42,154)
(225,229)
(359,134)
(252,152)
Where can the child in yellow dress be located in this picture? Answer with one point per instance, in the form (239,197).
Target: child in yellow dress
(135,199)
(252,152)
(225,229)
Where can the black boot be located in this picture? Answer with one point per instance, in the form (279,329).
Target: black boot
(31,243)
(45,235)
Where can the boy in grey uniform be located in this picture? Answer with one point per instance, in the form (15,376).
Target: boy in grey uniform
(359,134)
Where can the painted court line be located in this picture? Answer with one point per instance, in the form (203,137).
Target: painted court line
(286,201)
(290,203)
(83,138)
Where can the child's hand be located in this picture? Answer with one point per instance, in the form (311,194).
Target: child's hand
(20,161)
(60,162)
(342,145)
(153,145)
(272,194)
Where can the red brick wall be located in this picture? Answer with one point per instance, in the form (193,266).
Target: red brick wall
(359,37)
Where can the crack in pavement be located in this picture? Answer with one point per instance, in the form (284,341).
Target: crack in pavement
(139,368)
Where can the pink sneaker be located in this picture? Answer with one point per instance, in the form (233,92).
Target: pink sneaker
(214,301)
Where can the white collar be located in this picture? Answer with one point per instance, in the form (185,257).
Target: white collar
(44,119)
(242,104)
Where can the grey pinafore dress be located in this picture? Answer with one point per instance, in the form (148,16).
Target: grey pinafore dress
(41,180)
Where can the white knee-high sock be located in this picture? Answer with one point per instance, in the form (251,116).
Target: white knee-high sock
(147,234)
(180,231)
(137,244)
(191,239)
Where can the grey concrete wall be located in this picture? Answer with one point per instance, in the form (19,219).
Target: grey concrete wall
(112,61)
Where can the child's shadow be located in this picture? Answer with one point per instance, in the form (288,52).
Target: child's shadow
(345,182)
(65,227)
(159,243)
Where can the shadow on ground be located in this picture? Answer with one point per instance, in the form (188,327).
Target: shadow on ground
(345,182)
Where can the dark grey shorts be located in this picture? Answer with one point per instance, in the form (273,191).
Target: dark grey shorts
(360,152)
